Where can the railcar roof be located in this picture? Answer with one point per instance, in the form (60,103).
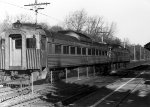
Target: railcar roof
(81,37)
(80,34)
(66,37)
(60,36)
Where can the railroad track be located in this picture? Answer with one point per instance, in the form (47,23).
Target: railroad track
(140,82)
(128,94)
(16,93)
(82,93)
(27,103)
(22,97)
(19,100)
(68,95)
(99,99)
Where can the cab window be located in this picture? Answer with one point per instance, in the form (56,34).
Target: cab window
(17,39)
(31,42)
(18,43)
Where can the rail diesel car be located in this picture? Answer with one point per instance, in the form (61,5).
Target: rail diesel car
(25,50)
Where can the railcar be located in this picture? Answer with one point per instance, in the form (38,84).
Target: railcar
(26,49)
(22,50)
(74,49)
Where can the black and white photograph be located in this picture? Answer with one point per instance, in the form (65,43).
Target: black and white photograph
(74,53)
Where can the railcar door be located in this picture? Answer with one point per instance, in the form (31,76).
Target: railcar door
(15,49)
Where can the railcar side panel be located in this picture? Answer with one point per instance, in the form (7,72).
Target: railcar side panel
(33,58)
(74,60)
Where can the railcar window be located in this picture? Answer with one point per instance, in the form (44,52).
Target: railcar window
(103,53)
(93,51)
(65,49)
(106,53)
(99,52)
(72,50)
(49,48)
(57,49)
(31,42)
(96,51)
(78,50)
(83,51)
(89,51)
(18,40)
(18,43)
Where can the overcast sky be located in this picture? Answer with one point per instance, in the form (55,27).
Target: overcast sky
(131,16)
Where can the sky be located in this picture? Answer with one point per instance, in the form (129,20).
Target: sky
(132,17)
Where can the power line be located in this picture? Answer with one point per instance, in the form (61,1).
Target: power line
(31,10)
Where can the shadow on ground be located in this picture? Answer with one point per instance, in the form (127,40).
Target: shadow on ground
(137,96)
(80,95)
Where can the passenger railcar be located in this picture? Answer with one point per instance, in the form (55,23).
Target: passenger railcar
(72,49)
(24,50)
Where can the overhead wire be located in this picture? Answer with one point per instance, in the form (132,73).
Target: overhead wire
(31,10)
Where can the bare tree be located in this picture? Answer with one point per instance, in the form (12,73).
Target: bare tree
(110,30)
(94,26)
(49,28)
(6,24)
(109,34)
(45,26)
(76,21)
(56,28)
(24,18)
(79,21)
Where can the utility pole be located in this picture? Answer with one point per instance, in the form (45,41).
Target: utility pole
(134,53)
(102,37)
(124,44)
(140,53)
(36,7)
